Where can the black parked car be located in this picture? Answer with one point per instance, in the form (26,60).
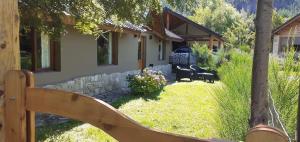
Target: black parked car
(182,56)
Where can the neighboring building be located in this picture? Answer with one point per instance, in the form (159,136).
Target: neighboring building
(82,63)
(287,35)
(190,31)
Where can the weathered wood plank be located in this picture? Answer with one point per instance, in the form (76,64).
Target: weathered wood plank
(263,133)
(30,115)
(14,109)
(97,113)
(9,47)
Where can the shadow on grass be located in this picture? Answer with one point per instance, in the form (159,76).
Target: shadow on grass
(44,132)
(125,99)
(54,130)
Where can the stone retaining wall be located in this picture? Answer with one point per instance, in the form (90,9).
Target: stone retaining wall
(106,87)
(101,83)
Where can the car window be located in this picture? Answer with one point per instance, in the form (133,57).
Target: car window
(183,50)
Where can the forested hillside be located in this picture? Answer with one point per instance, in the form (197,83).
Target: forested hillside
(285,7)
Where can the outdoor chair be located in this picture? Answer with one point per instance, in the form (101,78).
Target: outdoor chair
(183,73)
(202,74)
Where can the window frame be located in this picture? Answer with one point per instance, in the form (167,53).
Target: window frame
(54,47)
(162,50)
(112,51)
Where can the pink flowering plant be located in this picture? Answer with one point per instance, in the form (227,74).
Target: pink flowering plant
(147,82)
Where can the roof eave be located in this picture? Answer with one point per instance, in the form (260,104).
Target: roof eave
(278,29)
(192,22)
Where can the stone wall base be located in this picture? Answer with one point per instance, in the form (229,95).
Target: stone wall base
(106,87)
(101,83)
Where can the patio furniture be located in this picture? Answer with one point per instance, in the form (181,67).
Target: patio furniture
(183,73)
(202,74)
(208,76)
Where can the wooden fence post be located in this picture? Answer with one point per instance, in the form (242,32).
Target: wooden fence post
(263,133)
(9,48)
(30,115)
(14,107)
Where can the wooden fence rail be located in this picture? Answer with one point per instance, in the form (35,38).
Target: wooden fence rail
(22,99)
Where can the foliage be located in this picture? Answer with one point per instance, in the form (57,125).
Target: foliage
(48,15)
(206,58)
(216,16)
(277,19)
(182,108)
(241,33)
(234,97)
(185,7)
(146,83)
(292,7)
(26,61)
(292,10)
(245,48)
(237,27)
(202,54)
(284,85)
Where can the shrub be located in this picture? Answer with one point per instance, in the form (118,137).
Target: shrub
(234,97)
(202,54)
(284,83)
(206,58)
(146,83)
(245,48)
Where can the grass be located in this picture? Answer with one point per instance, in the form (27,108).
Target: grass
(182,108)
(234,97)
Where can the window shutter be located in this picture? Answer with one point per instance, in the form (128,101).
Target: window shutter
(115,48)
(56,58)
(164,50)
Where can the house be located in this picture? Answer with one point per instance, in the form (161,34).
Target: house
(190,31)
(82,63)
(287,35)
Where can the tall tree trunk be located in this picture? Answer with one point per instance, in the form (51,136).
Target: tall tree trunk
(9,46)
(259,88)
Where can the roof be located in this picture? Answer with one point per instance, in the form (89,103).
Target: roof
(173,36)
(185,19)
(287,23)
(128,25)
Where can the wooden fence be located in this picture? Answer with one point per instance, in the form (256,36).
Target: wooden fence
(22,99)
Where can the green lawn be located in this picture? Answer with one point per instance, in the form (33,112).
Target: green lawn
(184,108)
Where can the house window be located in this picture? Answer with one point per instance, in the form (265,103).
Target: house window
(44,52)
(140,50)
(297,47)
(39,52)
(104,49)
(162,50)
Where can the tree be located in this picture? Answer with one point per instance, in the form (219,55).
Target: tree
(236,26)
(277,19)
(217,16)
(47,15)
(259,88)
(241,33)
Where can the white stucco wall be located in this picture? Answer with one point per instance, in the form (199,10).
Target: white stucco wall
(276,45)
(153,52)
(79,57)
